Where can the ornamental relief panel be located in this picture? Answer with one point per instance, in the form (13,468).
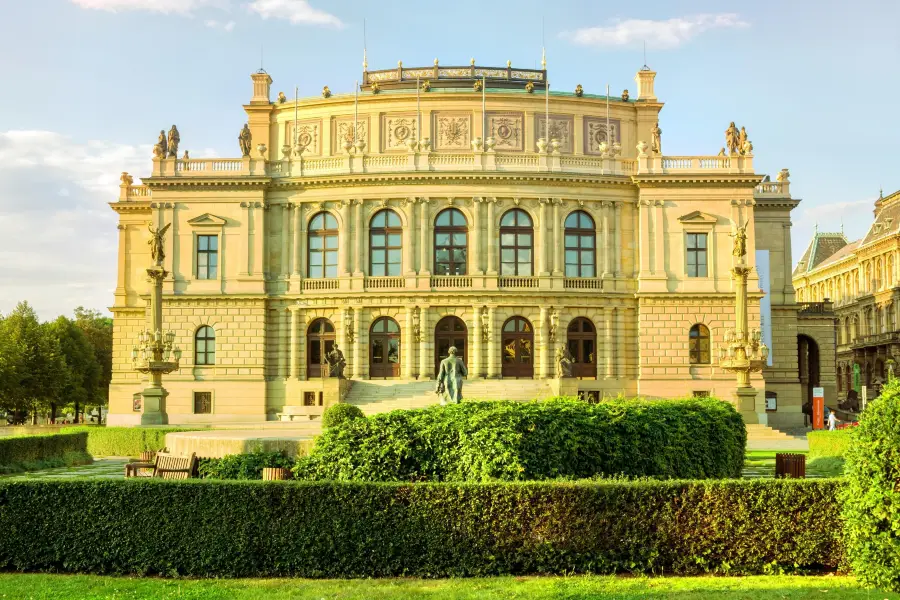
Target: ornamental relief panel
(308,136)
(560,129)
(508,131)
(396,130)
(453,131)
(595,132)
(343,132)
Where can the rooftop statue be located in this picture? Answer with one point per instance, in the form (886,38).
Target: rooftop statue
(656,141)
(186,156)
(127,179)
(245,138)
(281,98)
(624,95)
(742,140)
(740,242)
(450,378)
(579,91)
(326,92)
(156,244)
(732,138)
(722,152)
(160,149)
(174,140)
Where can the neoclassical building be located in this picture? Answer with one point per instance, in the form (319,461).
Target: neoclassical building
(858,283)
(451,206)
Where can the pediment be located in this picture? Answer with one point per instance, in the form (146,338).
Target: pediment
(207,220)
(697,217)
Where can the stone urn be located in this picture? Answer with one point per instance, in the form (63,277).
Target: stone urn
(554,145)
(298,149)
(642,148)
(348,146)
(603,148)
(476,144)
(542,145)
(489,143)
(261,148)
(286,151)
(425,145)
(412,144)
(360,145)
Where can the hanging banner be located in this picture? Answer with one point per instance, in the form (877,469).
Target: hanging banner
(765,304)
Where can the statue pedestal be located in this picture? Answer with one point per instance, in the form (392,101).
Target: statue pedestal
(745,402)
(154,413)
(567,386)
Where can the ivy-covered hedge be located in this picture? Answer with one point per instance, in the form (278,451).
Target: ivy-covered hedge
(513,441)
(829,443)
(24,453)
(125,441)
(253,529)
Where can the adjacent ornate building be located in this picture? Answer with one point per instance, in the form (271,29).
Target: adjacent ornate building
(856,283)
(451,206)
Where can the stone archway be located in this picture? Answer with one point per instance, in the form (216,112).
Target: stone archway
(809,368)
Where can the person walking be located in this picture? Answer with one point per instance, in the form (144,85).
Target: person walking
(832,421)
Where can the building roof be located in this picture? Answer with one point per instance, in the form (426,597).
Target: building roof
(887,218)
(822,247)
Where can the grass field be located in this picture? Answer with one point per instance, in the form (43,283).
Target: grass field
(761,464)
(40,587)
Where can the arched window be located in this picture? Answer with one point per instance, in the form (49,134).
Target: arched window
(319,342)
(580,251)
(384,348)
(516,244)
(517,346)
(582,343)
(385,244)
(205,346)
(323,246)
(451,243)
(699,345)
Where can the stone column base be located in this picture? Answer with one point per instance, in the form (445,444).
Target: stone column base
(745,402)
(154,409)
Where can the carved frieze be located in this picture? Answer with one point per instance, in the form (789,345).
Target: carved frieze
(308,136)
(508,131)
(453,131)
(343,132)
(595,134)
(397,130)
(561,128)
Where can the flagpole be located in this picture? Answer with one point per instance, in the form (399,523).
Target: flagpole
(547,110)
(483,108)
(608,133)
(418,111)
(355,112)
(296,91)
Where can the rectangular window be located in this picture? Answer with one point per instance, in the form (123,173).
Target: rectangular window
(701,393)
(696,255)
(136,401)
(207,256)
(202,403)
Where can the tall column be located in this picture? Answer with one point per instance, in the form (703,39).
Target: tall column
(424,264)
(360,243)
(541,244)
(294,349)
(544,340)
(492,346)
(248,238)
(408,238)
(608,342)
(492,238)
(425,370)
(620,342)
(644,246)
(607,246)
(286,239)
(557,251)
(283,333)
(659,242)
(617,238)
(298,236)
(475,253)
(259,238)
(300,346)
(357,343)
(120,292)
(476,370)
(409,353)
(346,246)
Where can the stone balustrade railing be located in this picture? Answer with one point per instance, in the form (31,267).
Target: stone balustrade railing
(664,165)
(773,189)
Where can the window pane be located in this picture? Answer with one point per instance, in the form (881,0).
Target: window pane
(571,270)
(443,219)
(213,259)
(330,222)
(378,221)
(315,272)
(459,239)
(201,345)
(394,239)
(442,269)
(508,239)
(507,255)
(508,269)
(316,223)
(202,242)
(525,269)
(587,241)
(701,240)
(331,258)
(524,255)
(588,271)
(331,242)
(330,271)
(587,257)
(394,256)
(459,255)
(458,219)
(442,254)
(509,219)
(588,346)
(393,220)
(524,239)
(201,260)
(315,259)
(393,269)
(377,270)
(572,220)
(316,243)
(571,257)
(378,241)
(571,241)
(211,272)
(377,256)
(442,239)
(691,270)
(585,221)
(213,242)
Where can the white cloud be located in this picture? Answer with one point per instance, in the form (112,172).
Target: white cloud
(669,33)
(182,7)
(213,24)
(295,11)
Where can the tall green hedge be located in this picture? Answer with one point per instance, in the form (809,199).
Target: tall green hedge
(512,441)
(263,529)
(872,495)
(829,443)
(126,441)
(18,453)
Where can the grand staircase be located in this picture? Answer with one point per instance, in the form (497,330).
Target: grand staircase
(763,437)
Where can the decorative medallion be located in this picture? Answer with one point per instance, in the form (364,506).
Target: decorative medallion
(399,131)
(560,129)
(506,129)
(453,132)
(344,132)
(307,136)
(595,134)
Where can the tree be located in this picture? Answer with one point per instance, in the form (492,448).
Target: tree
(82,371)
(99,330)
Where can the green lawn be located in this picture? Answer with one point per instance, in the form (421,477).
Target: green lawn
(620,588)
(761,464)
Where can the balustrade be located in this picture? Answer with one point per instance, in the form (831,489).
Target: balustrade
(315,285)
(581,283)
(450,281)
(382,283)
(518,282)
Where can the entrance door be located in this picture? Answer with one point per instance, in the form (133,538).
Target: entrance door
(518,348)
(450,331)
(582,344)
(320,341)
(384,346)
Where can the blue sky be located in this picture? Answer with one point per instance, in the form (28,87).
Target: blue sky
(87,85)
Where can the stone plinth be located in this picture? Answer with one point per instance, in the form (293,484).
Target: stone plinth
(219,443)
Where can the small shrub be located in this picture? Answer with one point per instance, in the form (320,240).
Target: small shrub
(871,512)
(32,452)
(337,414)
(829,443)
(243,466)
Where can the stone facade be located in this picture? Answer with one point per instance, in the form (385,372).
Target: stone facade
(602,233)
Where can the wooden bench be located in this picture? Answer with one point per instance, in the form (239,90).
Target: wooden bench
(166,466)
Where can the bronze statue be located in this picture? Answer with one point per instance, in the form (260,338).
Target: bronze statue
(731,139)
(477,85)
(160,149)
(656,141)
(156,244)
(186,156)
(450,378)
(742,140)
(174,140)
(336,362)
(579,91)
(722,152)
(326,92)
(281,98)
(245,138)
(564,363)
(740,241)
(624,95)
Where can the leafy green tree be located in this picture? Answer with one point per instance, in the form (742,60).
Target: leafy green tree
(99,330)
(81,374)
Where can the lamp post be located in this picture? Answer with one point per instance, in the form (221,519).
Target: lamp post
(155,349)
(744,351)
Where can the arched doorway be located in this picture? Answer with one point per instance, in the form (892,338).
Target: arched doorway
(450,331)
(384,346)
(518,348)
(319,342)
(808,367)
(582,344)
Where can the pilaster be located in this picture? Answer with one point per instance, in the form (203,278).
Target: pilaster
(476,370)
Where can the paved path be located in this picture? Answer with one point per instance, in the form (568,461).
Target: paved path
(103,468)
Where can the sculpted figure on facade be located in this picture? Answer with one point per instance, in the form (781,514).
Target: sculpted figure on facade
(127,179)
(656,142)
(245,139)
(336,362)
(740,242)
(564,363)
(173,141)
(159,150)
(732,139)
(742,140)
(156,244)
(450,378)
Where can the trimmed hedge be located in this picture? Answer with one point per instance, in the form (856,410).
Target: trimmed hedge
(338,413)
(513,441)
(243,466)
(126,441)
(16,451)
(829,443)
(871,510)
(267,529)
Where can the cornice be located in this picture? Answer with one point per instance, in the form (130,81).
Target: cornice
(662,298)
(719,180)
(450,177)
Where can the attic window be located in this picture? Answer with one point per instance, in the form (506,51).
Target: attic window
(887,223)
(876,228)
